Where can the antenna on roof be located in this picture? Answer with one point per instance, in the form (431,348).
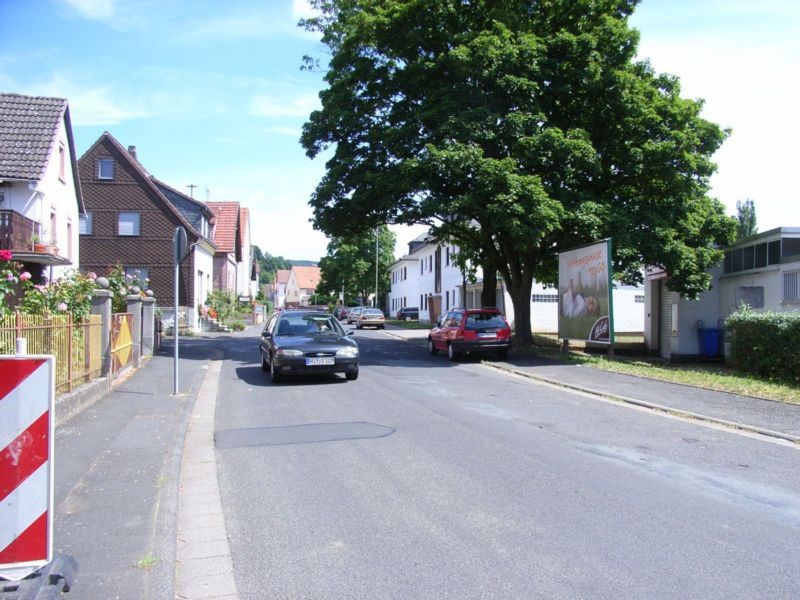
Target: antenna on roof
(191,187)
(208,194)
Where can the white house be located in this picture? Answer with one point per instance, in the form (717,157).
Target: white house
(762,271)
(301,287)
(279,287)
(40,194)
(404,285)
(429,278)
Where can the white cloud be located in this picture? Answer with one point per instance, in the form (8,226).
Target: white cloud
(301,9)
(97,105)
(270,106)
(293,132)
(95,10)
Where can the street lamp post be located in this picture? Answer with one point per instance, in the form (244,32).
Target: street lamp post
(375,304)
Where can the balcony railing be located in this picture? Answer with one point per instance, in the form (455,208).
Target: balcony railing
(18,232)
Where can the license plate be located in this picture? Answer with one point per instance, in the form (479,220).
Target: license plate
(487,335)
(319,360)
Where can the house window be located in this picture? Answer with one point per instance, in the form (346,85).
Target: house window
(638,299)
(69,240)
(752,296)
(62,162)
(128,223)
(85,224)
(447,300)
(544,298)
(105,168)
(791,287)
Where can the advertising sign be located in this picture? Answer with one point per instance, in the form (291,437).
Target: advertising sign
(585,310)
(27,395)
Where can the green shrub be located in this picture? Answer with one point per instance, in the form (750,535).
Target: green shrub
(765,343)
(237,324)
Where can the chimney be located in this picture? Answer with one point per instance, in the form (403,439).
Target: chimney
(132,152)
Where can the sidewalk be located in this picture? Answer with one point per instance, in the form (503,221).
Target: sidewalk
(767,417)
(117,469)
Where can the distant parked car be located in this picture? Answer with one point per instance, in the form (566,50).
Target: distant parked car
(467,331)
(370,317)
(408,313)
(353,313)
(303,341)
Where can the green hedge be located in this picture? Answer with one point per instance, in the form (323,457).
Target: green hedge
(765,343)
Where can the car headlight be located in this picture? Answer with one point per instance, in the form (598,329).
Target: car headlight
(288,352)
(349,352)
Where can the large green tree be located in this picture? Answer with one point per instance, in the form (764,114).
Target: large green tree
(349,265)
(517,129)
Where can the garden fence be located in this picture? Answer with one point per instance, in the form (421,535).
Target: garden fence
(76,346)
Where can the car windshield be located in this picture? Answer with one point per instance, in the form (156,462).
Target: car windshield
(304,324)
(484,320)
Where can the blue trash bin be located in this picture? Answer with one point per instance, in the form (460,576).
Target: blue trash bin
(710,340)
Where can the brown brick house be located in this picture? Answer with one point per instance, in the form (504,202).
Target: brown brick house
(131,219)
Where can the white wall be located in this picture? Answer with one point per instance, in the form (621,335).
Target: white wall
(203,281)
(404,291)
(38,200)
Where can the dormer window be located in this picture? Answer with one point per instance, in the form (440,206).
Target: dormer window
(105,168)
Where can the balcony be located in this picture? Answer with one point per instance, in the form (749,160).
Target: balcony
(18,233)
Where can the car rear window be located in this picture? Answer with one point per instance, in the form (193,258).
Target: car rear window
(484,320)
(372,311)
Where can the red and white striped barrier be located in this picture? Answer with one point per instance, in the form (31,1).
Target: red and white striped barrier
(27,417)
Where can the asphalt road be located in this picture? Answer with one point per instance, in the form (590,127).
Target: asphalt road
(428,479)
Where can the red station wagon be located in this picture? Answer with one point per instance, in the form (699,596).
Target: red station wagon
(473,330)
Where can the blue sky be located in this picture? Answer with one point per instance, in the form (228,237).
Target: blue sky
(211,94)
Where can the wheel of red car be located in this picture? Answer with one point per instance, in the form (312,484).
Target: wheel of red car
(451,353)
(431,348)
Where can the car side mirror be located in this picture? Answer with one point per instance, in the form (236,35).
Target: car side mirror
(349,331)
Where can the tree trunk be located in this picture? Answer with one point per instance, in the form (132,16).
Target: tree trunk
(489,291)
(520,291)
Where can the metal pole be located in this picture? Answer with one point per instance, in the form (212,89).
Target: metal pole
(175,328)
(375,303)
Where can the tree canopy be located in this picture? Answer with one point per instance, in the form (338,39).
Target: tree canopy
(349,265)
(517,129)
(746,219)
(269,264)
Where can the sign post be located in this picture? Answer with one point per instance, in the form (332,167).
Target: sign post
(179,252)
(27,423)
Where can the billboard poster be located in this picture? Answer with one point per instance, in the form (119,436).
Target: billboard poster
(585,310)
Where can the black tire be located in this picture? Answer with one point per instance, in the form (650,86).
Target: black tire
(275,375)
(502,354)
(351,375)
(264,363)
(431,348)
(381,326)
(451,353)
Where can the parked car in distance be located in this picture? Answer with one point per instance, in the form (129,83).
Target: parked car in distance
(408,313)
(337,311)
(343,313)
(468,331)
(371,317)
(304,341)
(353,313)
